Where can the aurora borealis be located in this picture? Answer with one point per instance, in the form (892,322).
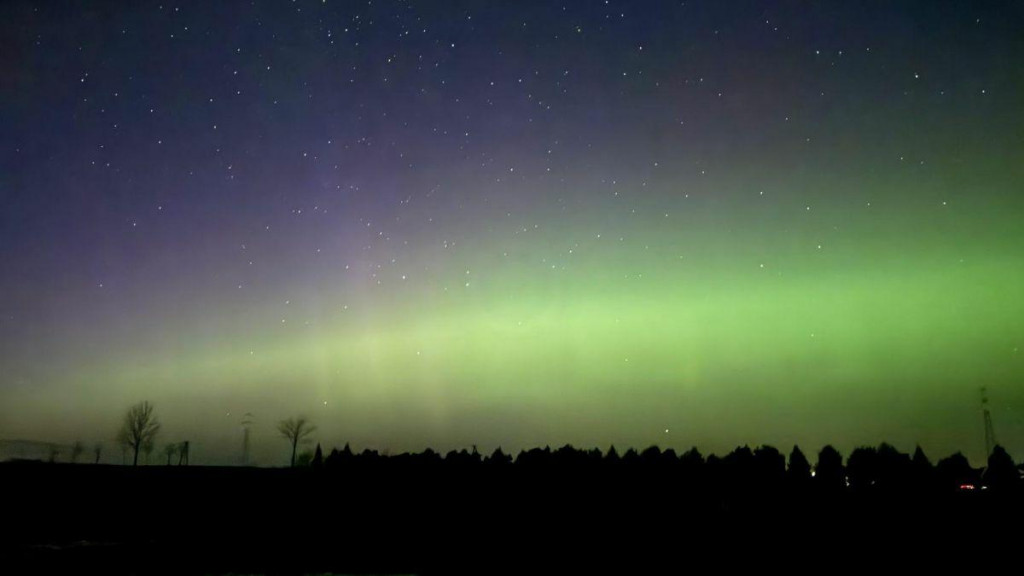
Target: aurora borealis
(514,223)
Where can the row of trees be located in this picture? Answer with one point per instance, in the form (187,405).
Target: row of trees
(139,429)
(867,468)
(76,451)
(137,434)
(140,426)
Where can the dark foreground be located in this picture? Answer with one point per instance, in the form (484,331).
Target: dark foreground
(71,519)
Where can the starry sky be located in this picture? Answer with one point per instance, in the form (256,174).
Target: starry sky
(514,223)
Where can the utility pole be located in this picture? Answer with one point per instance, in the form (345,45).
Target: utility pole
(990,433)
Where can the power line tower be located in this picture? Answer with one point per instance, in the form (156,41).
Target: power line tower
(990,432)
(246,422)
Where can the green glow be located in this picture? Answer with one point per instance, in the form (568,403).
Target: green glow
(854,340)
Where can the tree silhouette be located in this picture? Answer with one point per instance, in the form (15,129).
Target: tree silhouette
(829,472)
(1001,473)
(97,451)
(920,460)
(139,428)
(304,459)
(498,457)
(318,457)
(692,459)
(894,467)
(862,467)
(76,450)
(170,450)
(799,471)
(954,471)
(769,466)
(922,470)
(295,430)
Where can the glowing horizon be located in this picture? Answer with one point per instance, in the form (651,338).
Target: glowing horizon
(678,219)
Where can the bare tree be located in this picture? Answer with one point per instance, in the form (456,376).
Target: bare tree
(97,450)
(295,430)
(138,430)
(170,450)
(76,450)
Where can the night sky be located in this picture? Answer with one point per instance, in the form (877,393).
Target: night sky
(514,223)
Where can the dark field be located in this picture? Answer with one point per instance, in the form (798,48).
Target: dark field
(408,515)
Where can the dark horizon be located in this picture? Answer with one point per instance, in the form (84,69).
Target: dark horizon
(363,513)
(12,450)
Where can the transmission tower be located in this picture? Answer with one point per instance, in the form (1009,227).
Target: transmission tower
(246,422)
(990,433)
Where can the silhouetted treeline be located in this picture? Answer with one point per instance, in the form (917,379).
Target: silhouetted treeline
(764,469)
(366,511)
